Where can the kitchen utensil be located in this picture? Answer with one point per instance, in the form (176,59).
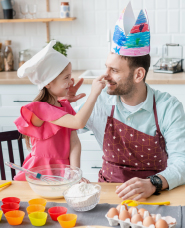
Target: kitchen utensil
(169,63)
(134,203)
(72,174)
(10,207)
(11,200)
(46,178)
(67,221)
(35,208)
(38,201)
(7,4)
(54,212)
(83,203)
(1,213)
(38,218)
(15,217)
(5,184)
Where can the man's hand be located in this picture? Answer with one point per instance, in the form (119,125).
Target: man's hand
(143,188)
(71,96)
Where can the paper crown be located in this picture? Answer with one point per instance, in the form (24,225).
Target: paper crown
(131,38)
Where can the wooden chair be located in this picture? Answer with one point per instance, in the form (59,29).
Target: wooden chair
(8,137)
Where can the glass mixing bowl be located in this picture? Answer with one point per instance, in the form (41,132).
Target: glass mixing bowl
(54,190)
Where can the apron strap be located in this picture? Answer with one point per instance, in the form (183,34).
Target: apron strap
(155,115)
(112,111)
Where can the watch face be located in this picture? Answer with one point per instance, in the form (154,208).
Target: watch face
(157,180)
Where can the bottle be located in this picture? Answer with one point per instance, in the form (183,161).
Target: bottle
(64,10)
(8,57)
(1,58)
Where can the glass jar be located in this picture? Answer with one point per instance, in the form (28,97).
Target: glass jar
(8,57)
(1,58)
(24,56)
(163,64)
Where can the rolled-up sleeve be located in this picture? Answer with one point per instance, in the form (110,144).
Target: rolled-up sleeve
(174,134)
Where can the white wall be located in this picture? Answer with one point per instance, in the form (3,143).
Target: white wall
(88,34)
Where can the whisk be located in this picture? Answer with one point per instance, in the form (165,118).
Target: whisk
(46,178)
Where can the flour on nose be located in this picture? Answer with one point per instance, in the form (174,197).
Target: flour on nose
(119,78)
(65,85)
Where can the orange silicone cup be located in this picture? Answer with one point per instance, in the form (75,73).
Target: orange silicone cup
(15,217)
(67,220)
(35,208)
(38,201)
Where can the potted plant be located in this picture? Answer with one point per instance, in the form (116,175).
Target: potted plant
(62,48)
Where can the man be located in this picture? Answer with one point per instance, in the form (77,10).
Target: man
(141,131)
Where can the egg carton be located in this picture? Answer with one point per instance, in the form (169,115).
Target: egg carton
(127,223)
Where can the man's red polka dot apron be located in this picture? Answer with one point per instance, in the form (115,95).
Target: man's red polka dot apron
(130,153)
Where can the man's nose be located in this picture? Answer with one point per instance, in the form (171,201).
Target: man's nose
(108,74)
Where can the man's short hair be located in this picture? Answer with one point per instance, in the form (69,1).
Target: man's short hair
(138,61)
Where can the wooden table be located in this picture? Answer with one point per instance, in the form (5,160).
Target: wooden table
(22,190)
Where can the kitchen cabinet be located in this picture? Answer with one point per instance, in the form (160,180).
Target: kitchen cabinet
(12,97)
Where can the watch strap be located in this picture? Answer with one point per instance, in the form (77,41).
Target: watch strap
(157,182)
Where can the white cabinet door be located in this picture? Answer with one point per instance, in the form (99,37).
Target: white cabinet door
(90,169)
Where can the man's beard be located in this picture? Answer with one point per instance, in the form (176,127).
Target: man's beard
(123,89)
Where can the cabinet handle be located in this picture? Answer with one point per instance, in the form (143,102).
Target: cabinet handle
(22,101)
(96,167)
(91,134)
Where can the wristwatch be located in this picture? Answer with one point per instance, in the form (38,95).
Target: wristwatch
(157,182)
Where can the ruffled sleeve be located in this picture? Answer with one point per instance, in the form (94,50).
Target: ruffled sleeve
(45,112)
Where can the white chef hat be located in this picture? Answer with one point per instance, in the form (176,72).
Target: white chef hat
(43,67)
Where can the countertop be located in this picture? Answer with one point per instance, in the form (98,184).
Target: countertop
(22,190)
(10,78)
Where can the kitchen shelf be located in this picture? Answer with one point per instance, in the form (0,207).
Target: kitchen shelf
(36,20)
(44,20)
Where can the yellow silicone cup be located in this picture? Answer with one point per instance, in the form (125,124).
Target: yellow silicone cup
(35,208)
(14,218)
(67,220)
(1,213)
(38,218)
(38,201)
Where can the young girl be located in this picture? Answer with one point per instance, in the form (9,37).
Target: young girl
(50,123)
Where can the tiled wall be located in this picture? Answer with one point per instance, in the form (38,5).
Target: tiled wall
(88,34)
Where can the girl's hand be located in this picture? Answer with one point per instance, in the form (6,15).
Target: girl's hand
(97,85)
(71,95)
(84,180)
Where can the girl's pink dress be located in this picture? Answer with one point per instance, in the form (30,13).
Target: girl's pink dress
(50,143)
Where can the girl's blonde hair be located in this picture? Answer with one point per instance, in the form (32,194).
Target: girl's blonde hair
(43,96)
